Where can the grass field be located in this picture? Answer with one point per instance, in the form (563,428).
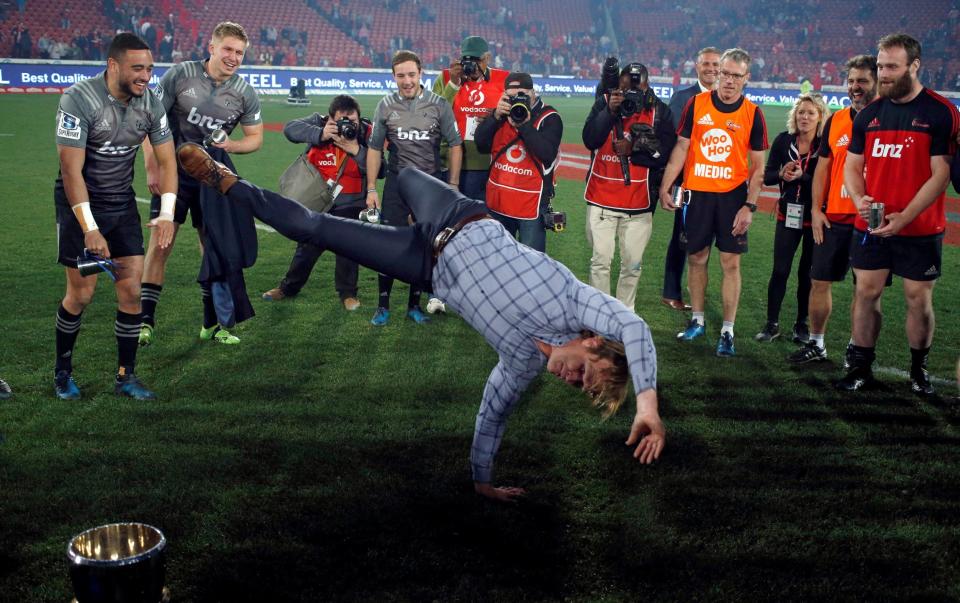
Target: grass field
(325,459)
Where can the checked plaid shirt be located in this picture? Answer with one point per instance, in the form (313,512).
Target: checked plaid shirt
(513,295)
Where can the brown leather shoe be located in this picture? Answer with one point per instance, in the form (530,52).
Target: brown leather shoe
(675,304)
(274,294)
(195,161)
(351,303)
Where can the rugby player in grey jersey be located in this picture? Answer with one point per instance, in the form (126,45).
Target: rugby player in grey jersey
(101,123)
(414,120)
(199,97)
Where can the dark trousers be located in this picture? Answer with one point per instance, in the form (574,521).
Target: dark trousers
(531,233)
(785,243)
(404,253)
(675,261)
(307,254)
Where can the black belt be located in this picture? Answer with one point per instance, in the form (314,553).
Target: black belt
(447,234)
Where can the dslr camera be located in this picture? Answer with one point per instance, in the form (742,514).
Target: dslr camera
(346,128)
(470,65)
(520,107)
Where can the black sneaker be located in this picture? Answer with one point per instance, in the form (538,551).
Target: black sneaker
(920,383)
(801,334)
(857,379)
(846,357)
(810,352)
(770,331)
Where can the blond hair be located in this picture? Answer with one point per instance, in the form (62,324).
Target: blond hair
(229,29)
(611,391)
(814,98)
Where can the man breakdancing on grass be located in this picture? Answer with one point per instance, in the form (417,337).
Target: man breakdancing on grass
(530,308)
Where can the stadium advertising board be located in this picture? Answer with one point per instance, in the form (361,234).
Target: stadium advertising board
(36,77)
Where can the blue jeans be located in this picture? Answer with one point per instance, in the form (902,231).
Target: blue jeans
(531,233)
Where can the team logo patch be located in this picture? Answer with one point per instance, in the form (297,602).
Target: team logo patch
(716,145)
(158,92)
(256,116)
(732,125)
(68,126)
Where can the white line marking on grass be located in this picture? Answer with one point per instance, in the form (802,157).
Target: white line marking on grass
(889,370)
(4,134)
(259,226)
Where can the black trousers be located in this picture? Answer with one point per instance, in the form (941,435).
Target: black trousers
(785,243)
(403,253)
(675,260)
(306,256)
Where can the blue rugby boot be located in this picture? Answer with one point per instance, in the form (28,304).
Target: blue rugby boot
(380,318)
(693,330)
(129,386)
(416,315)
(725,347)
(65,386)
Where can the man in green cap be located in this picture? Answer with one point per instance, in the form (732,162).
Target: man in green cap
(473,89)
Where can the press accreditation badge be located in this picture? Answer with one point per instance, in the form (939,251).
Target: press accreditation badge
(794,218)
(472,123)
(68,126)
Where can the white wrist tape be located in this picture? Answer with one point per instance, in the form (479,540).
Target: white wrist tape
(168,203)
(85,216)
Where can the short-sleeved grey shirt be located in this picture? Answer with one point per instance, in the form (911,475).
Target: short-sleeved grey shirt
(414,128)
(111,132)
(198,105)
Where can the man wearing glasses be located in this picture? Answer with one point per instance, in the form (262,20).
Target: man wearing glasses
(723,171)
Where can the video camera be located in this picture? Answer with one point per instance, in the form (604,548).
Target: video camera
(554,220)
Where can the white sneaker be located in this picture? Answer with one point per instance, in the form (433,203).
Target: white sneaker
(436,305)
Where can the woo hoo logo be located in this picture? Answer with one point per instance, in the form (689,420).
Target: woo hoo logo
(716,145)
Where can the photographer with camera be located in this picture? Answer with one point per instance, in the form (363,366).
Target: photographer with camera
(473,90)
(338,150)
(629,126)
(523,139)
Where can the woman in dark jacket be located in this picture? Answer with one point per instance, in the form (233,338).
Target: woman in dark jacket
(790,165)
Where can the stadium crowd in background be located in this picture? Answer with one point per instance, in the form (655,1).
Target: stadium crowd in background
(786,40)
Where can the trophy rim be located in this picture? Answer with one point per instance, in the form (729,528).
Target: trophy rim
(78,559)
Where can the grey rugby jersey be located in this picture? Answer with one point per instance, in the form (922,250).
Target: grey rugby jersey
(414,128)
(111,132)
(197,104)
(513,295)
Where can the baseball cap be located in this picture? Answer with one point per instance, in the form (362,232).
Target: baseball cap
(519,80)
(474,46)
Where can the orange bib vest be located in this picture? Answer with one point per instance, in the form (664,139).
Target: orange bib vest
(516,177)
(719,146)
(840,207)
(605,186)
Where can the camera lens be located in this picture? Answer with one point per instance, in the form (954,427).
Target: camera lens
(470,67)
(519,112)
